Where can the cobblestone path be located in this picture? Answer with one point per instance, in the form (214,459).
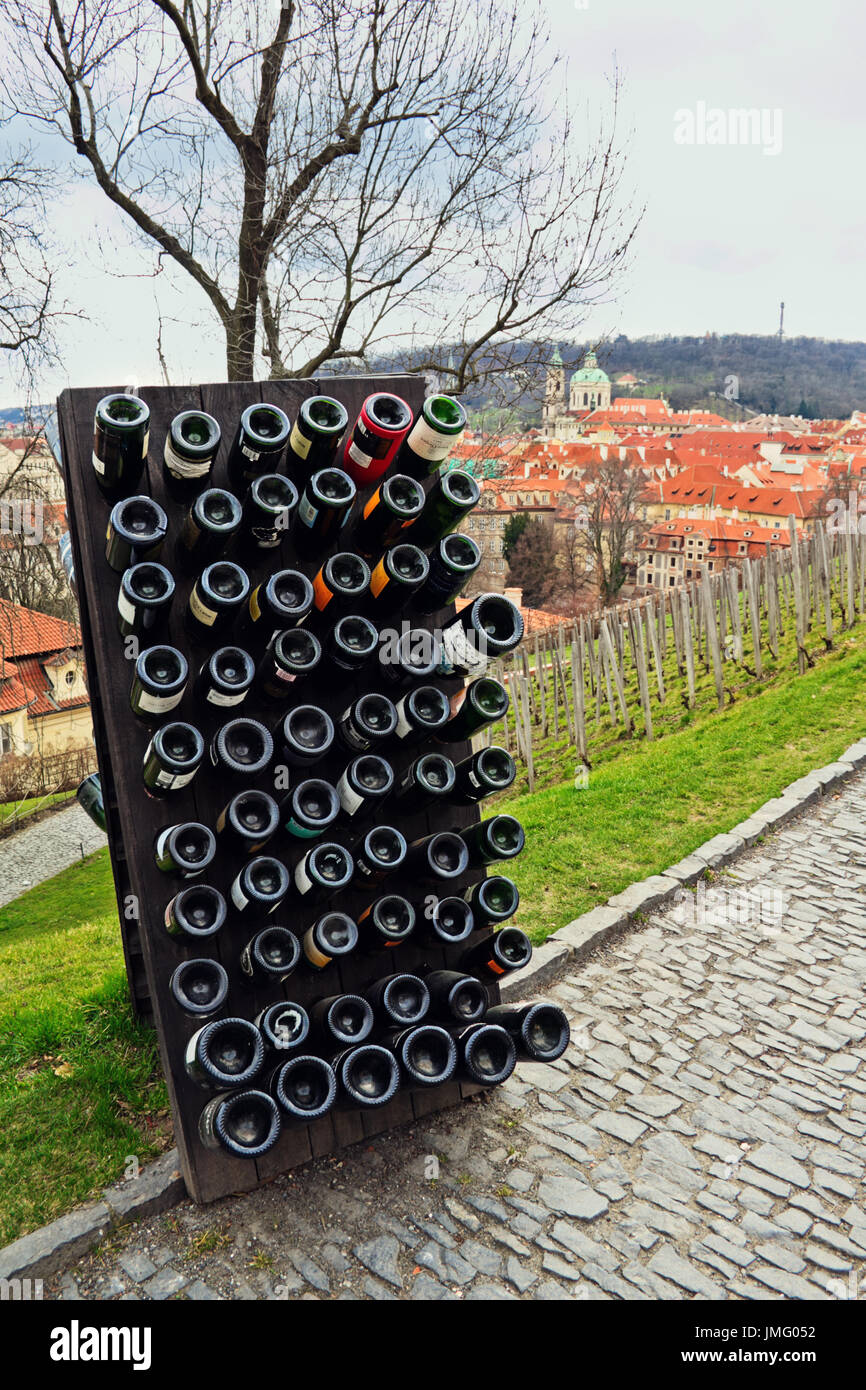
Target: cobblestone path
(40,851)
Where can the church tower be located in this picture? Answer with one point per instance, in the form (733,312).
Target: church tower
(590,386)
(554,394)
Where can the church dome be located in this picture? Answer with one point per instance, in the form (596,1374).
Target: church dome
(590,371)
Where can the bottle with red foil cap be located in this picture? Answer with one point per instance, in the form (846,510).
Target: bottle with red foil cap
(379,430)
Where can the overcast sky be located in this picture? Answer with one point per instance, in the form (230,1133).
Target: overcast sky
(729,230)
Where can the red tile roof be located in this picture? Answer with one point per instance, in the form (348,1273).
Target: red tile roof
(24,632)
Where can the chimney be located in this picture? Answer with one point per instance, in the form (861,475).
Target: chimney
(516,596)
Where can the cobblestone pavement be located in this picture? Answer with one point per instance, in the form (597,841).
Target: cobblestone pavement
(40,851)
(704,1136)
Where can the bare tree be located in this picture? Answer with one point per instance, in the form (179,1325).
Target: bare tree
(31,572)
(27,309)
(340,178)
(607,526)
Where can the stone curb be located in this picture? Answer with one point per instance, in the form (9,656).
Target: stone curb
(160,1186)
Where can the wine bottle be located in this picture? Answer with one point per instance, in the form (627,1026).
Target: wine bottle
(263,882)
(427,780)
(501,837)
(248,821)
(136,530)
(492,900)
(211,521)
(396,501)
(280,602)
(367,722)
(388,921)
(144,598)
(409,658)
(486,628)
(245,1125)
(304,1087)
(259,444)
(324,870)
(289,658)
(446,921)
(225,678)
(199,986)
(172,758)
(450,499)
(269,957)
(501,951)
(381,852)
(474,707)
(436,433)
(490,770)
(338,588)
(268,510)
(316,434)
(304,736)
(241,746)
(190,449)
(332,935)
(487,1054)
(455,996)
(341,1020)
(363,786)
(195,912)
(399,1000)
(323,511)
(227,1052)
(158,683)
(452,564)
(420,713)
(310,809)
(427,1055)
(441,856)
(379,431)
(215,600)
(367,1076)
(395,579)
(186,849)
(351,643)
(283,1026)
(540,1031)
(89,797)
(121,433)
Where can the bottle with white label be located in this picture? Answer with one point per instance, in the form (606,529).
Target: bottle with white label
(224,680)
(324,870)
(331,937)
(144,599)
(269,958)
(248,821)
(367,723)
(241,747)
(399,1000)
(487,771)
(395,579)
(268,512)
(379,430)
(310,809)
(492,900)
(427,1055)
(323,510)
(388,921)
(158,683)
(474,707)
(316,435)
(215,600)
(289,658)
(171,759)
(259,445)
(195,912)
(396,502)
(304,1087)
(486,1054)
(363,787)
(121,432)
(367,1077)
(136,530)
(279,602)
(441,856)
(284,1025)
(427,781)
(210,523)
(497,954)
(199,986)
(381,851)
(414,656)
(434,437)
(488,627)
(227,1052)
(339,587)
(452,564)
(262,884)
(186,849)
(245,1125)
(422,712)
(450,499)
(351,643)
(456,997)
(189,451)
(541,1032)
(304,736)
(341,1020)
(445,921)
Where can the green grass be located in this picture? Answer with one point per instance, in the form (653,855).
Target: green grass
(650,804)
(12,810)
(80,1088)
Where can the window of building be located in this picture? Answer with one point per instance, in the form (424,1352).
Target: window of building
(688,574)
(667,513)
(5,739)
(70,677)
(673,580)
